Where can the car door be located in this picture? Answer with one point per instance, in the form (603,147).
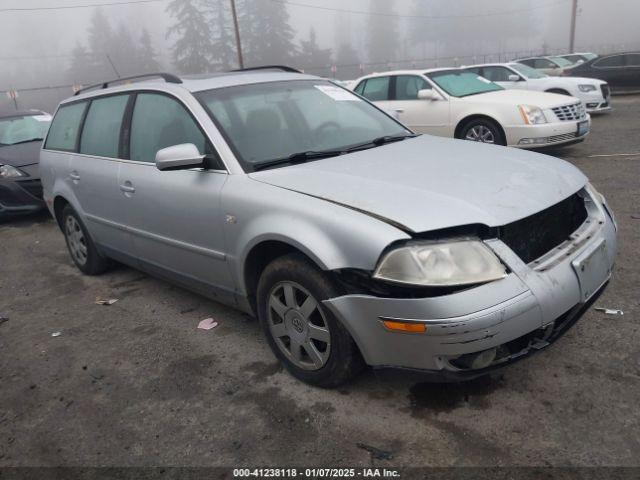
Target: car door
(421,115)
(94,173)
(175,217)
(611,69)
(632,71)
(501,75)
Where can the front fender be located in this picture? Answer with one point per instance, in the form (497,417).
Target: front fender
(333,236)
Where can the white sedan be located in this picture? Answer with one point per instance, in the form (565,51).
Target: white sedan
(461,104)
(595,94)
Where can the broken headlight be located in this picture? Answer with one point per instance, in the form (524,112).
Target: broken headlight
(437,264)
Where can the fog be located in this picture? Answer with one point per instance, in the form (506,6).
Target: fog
(59,43)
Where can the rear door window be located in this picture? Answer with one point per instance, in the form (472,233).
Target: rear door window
(101,131)
(376,89)
(158,122)
(633,59)
(610,62)
(63,132)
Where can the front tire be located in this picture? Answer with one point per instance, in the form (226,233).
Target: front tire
(83,251)
(303,334)
(483,130)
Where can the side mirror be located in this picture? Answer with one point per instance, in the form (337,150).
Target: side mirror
(427,94)
(514,78)
(179,157)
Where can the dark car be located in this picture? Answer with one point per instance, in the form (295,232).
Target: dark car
(21,135)
(620,70)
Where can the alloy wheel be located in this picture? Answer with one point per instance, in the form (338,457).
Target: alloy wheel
(480,133)
(298,326)
(75,239)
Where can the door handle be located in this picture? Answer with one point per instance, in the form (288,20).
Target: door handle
(127,188)
(399,110)
(74,176)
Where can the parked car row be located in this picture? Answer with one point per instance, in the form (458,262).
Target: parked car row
(352,239)
(620,70)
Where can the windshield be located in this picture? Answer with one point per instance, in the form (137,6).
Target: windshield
(271,121)
(527,71)
(23,128)
(460,83)
(562,62)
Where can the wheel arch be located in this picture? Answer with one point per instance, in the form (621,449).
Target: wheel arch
(59,202)
(478,116)
(262,254)
(559,91)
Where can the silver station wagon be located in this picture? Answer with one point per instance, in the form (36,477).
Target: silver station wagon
(353,241)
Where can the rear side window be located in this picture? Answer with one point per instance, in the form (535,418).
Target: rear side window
(633,59)
(63,132)
(613,61)
(376,89)
(101,131)
(159,122)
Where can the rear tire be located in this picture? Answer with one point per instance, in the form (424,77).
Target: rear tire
(303,334)
(83,251)
(483,130)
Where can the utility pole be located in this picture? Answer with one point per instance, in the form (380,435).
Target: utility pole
(237,30)
(574,12)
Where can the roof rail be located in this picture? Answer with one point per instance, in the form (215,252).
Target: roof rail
(167,77)
(284,68)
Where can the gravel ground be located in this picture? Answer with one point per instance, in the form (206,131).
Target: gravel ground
(136,384)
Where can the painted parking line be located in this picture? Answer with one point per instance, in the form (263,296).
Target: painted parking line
(615,155)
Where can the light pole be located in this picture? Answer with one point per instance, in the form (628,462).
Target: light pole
(237,30)
(574,12)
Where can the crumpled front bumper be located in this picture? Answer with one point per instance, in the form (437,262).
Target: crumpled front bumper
(532,297)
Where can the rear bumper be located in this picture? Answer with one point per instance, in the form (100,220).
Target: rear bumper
(541,300)
(20,197)
(545,135)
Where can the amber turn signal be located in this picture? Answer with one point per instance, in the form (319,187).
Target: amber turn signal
(407,327)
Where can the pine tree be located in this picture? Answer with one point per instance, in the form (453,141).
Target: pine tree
(78,66)
(312,57)
(147,57)
(123,51)
(194,47)
(99,39)
(382,33)
(267,37)
(224,53)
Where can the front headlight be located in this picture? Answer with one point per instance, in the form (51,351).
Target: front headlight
(7,171)
(532,115)
(458,262)
(587,88)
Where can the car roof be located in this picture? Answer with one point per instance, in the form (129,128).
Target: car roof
(415,71)
(21,113)
(490,64)
(194,83)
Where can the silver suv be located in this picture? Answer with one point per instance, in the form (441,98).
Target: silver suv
(351,239)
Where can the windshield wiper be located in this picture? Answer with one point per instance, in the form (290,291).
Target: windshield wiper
(296,158)
(376,142)
(27,141)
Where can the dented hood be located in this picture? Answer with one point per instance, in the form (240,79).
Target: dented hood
(428,183)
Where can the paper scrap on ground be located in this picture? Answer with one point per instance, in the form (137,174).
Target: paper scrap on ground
(56,334)
(207,324)
(107,302)
(610,311)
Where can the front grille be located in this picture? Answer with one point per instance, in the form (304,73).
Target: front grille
(532,237)
(7,199)
(560,138)
(34,187)
(568,113)
(606,92)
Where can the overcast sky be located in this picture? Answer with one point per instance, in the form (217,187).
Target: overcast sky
(50,35)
